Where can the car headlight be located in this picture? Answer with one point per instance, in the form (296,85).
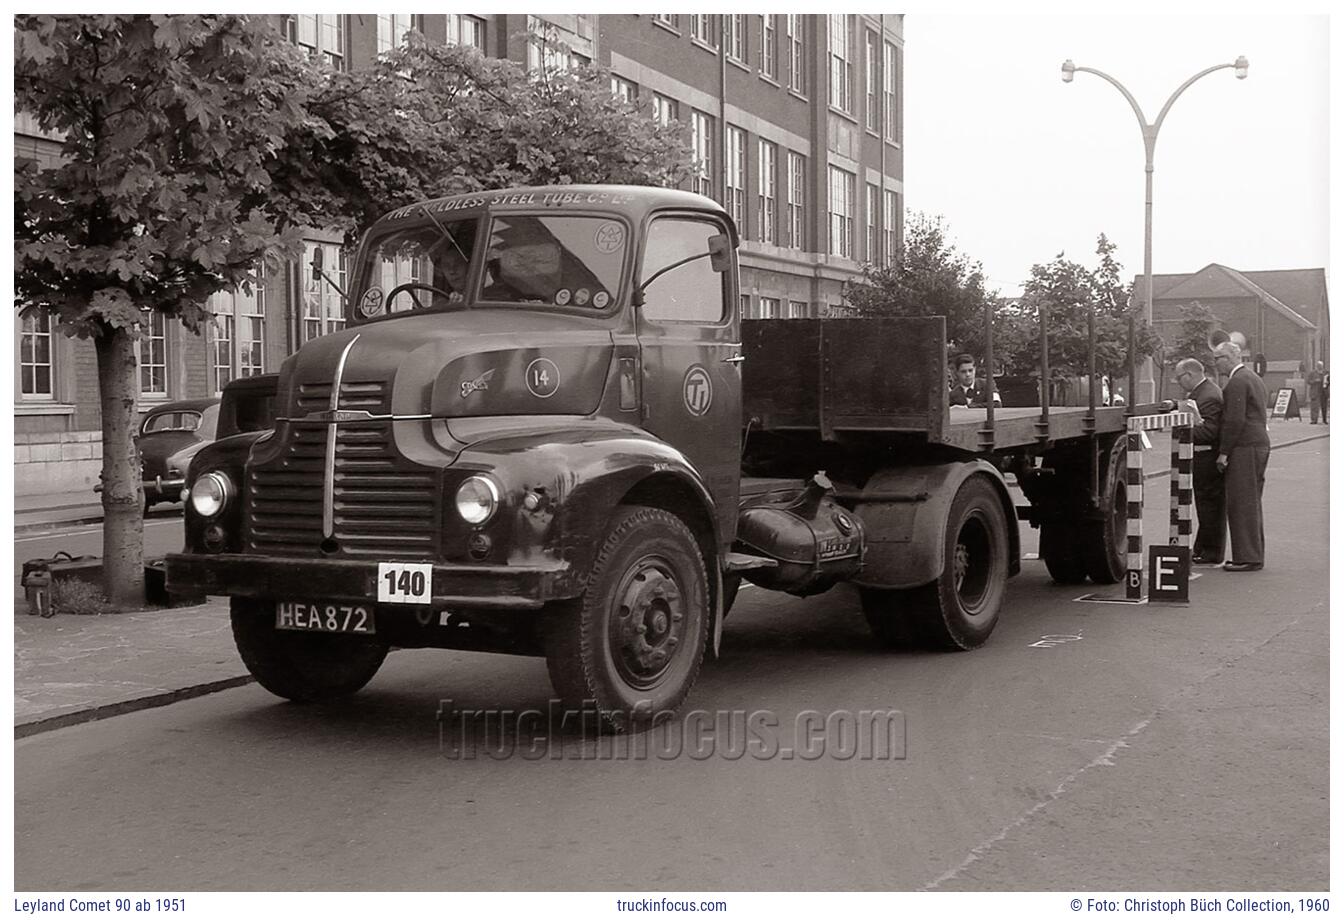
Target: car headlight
(477,499)
(211,493)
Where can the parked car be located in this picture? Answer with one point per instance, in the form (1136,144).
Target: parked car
(247,405)
(166,430)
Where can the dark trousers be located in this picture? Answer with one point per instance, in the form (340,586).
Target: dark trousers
(1210,506)
(1316,408)
(1244,483)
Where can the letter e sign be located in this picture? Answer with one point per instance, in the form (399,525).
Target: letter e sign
(1169,574)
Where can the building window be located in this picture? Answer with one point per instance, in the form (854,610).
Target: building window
(793,33)
(664,109)
(874,221)
(237,334)
(797,309)
(322,308)
(765,192)
(737,177)
(321,34)
(736,39)
(890,100)
(545,52)
(890,215)
(873,83)
(769,58)
(151,352)
(702,153)
(466,30)
(702,29)
(770,308)
(797,196)
(667,19)
(36,361)
(842,64)
(626,91)
(392,29)
(840,211)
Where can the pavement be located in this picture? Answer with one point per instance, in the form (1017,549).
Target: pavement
(73,669)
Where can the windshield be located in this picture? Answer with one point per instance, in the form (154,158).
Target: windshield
(416,267)
(567,261)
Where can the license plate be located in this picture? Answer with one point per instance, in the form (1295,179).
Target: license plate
(404,582)
(329,618)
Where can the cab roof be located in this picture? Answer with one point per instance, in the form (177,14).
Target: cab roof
(634,201)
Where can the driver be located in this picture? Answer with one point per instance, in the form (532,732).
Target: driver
(455,270)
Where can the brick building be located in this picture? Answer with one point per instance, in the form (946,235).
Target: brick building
(794,122)
(1285,315)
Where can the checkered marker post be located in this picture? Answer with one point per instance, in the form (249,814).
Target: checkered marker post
(1182,460)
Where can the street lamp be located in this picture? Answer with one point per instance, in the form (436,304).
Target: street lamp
(1147,391)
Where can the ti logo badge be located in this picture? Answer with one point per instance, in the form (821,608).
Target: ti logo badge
(480,383)
(697,391)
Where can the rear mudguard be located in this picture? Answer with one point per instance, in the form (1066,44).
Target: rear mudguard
(904,513)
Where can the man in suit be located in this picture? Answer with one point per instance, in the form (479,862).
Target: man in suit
(1316,391)
(966,391)
(1206,401)
(1243,454)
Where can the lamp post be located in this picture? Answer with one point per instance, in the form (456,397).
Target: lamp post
(1240,66)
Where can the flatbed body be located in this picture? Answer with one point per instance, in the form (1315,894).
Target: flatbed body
(885,380)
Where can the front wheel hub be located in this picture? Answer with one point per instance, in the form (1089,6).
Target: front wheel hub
(649,624)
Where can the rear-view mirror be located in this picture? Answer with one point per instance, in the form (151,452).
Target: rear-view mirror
(720,252)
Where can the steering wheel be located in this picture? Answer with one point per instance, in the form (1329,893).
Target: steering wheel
(411,287)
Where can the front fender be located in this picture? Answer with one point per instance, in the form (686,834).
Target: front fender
(228,455)
(904,513)
(577,473)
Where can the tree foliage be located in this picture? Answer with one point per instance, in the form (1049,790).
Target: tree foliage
(1066,291)
(928,277)
(1192,339)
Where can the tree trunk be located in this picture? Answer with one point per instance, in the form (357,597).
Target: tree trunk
(123,496)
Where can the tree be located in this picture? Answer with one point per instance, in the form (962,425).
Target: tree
(928,277)
(164,196)
(197,146)
(1066,291)
(1192,341)
(428,120)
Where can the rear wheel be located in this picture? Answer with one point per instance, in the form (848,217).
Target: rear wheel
(303,667)
(1062,552)
(633,643)
(960,608)
(1104,540)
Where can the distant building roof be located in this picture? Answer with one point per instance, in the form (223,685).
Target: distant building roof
(1304,288)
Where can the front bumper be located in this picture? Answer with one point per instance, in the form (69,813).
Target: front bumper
(480,587)
(166,489)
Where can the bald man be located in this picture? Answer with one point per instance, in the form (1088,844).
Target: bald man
(1243,455)
(1207,401)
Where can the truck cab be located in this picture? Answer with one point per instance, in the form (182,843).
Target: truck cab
(531,383)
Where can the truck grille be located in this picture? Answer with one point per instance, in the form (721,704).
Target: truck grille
(384,505)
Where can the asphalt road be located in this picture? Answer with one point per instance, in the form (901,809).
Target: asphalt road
(1163,748)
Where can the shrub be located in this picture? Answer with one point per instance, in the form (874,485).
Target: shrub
(78,598)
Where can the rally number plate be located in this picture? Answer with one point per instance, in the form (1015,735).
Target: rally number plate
(330,618)
(404,582)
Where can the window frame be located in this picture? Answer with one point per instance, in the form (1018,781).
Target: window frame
(767,191)
(735,36)
(891,100)
(327,296)
(890,209)
(872,85)
(795,26)
(769,65)
(702,153)
(840,223)
(796,210)
(872,221)
(735,175)
(725,278)
(396,37)
(329,36)
(840,58)
(149,337)
(51,364)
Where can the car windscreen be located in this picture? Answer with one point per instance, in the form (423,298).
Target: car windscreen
(564,260)
(178,420)
(417,266)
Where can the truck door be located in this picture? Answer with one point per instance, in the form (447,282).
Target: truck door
(690,351)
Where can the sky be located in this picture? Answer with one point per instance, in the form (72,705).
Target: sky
(1023,166)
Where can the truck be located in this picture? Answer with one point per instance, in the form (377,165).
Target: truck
(546,429)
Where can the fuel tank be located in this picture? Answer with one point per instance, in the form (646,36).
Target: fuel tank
(814,541)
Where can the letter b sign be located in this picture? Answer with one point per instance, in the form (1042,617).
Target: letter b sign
(1169,574)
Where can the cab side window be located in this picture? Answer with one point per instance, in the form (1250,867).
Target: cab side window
(689,293)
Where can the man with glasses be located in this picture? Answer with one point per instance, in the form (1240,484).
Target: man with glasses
(1205,400)
(1243,455)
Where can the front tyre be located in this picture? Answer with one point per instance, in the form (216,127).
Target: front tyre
(633,643)
(960,608)
(303,667)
